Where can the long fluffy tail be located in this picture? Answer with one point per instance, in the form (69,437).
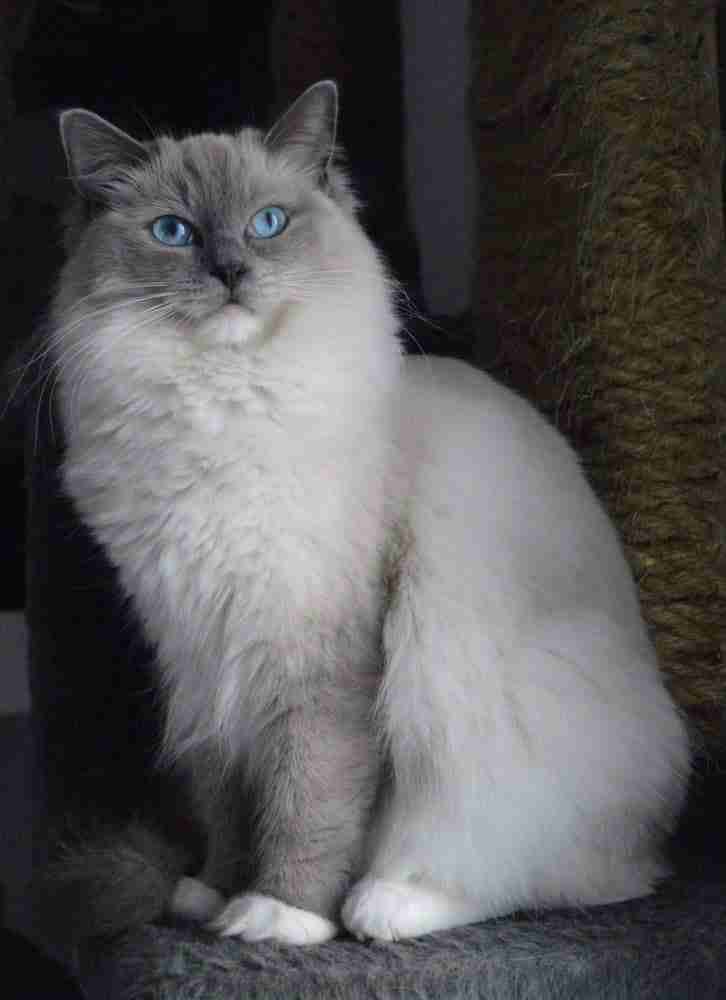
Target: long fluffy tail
(108,884)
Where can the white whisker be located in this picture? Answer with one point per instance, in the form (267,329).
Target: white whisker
(50,374)
(67,356)
(91,360)
(62,332)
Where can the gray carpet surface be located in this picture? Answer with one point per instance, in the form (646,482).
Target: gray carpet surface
(669,946)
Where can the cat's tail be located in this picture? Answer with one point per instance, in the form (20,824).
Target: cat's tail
(106,884)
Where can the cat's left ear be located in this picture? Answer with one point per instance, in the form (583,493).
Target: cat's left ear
(98,153)
(306,131)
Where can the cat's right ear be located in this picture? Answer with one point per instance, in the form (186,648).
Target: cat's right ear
(98,153)
(306,131)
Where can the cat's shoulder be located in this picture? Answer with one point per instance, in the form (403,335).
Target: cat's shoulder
(452,378)
(458,386)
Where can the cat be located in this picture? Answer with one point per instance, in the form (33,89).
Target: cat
(403,662)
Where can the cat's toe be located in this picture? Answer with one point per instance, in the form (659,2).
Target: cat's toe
(374,909)
(255,917)
(390,910)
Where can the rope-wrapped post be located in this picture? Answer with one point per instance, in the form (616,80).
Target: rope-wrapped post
(601,273)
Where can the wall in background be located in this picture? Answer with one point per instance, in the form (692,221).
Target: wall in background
(440,161)
(14,693)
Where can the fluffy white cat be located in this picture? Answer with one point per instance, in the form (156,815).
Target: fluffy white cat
(396,632)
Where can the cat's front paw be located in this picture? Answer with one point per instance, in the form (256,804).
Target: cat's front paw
(255,917)
(389,910)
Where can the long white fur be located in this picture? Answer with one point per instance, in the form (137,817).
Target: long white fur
(535,748)
(251,495)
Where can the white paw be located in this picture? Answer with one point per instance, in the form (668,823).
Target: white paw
(255,917)
(387,910)
(374,909)
(193,900)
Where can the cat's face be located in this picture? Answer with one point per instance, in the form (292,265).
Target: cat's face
(212,223)
(200,224)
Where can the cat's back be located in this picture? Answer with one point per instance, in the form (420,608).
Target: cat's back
(454,413)
(504,493)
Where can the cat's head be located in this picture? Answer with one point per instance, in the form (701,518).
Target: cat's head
(191,228)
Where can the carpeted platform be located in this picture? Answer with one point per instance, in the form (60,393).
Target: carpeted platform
(670,946)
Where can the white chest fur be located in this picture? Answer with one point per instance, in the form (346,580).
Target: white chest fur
(246,514)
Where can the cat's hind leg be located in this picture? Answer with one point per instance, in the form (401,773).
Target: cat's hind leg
(433,858)
(512,782)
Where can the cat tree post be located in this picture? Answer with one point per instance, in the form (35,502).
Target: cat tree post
(601,277)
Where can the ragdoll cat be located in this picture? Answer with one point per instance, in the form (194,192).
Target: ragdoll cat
(397,638)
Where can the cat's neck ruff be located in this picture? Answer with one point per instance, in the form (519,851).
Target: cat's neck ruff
(337,361)
(233,326)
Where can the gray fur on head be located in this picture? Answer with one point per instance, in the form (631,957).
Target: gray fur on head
(216,181)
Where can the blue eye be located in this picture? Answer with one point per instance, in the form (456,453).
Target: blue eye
(173,231)
(268,222)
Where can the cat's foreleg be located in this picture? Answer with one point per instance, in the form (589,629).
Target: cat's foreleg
(313,771)
(255,916)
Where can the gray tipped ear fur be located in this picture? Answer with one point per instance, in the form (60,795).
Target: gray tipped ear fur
(98,153)
(307,130)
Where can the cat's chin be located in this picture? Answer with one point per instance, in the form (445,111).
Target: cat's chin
(231,325)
